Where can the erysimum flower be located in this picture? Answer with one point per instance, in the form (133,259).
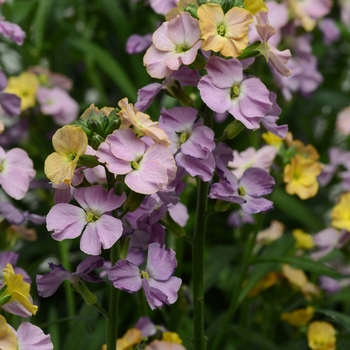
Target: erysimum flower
(298,318)
(93,220)
(24,86)
(174,43)
(69,142)
(20,301)
(16,172)
(157,281)
(341,213)
(12,31)
(225,33)
(321,336)
(224,89)
(303,239)
(9,102)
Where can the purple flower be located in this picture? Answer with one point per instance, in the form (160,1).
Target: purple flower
(329,30)
(10,103)
(31,337)
(224,89)
(147,170)
(57,103)
(48,284)
(162,7)
(138,43)
(11,214)
(93,219)
(16,172)
(12,31)
(159,285)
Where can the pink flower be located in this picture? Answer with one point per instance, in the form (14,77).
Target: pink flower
(16,172)
(174,43)
(31,337)
(147,170)
(12,31)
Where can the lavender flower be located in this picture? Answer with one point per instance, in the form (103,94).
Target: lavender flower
(9,102)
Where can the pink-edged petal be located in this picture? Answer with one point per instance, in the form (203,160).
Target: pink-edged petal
(161,262)
(126,276)
(31,337)
(148,179)
(190,55)
(161,39)
(224,73)
(154,61)
(66,221)
(218,100)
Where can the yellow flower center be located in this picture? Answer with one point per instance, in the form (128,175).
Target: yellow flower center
(144,275)
(71,157)
(241,191)
(91,217)
(183,137)
(135,165)
(235,91)
(221,30)
(181,48)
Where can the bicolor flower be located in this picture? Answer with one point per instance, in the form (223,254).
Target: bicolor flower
(224,89)
(225,33)
(174,43)
(16,172)
(147,170)
(159,285)
(93,220)
(70,142)
(20,301)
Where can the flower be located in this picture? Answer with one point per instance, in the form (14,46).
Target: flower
(16,172)
(174,43)
(171,337)
(8,339)
(343,121)
(224,89)
(20,302)
(298,318)
(93,220)
(70,142)
(321,336)
(24,86)
(130,338)
(31,337)
(12,31)
(10,103)
(159,285)
(303,239)
(270,234)
(341,213)
(225,33)
(301,177)
(254,6)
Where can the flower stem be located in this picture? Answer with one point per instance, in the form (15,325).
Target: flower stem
(200,341)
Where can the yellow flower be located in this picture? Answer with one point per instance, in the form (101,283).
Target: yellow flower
(321,336)
(303,239)
(18,289)
(141,123)
(130,338)
(298,318)
(270,234)
(272,139)
(341,213)
(171,337)
(69,142)
(254,6)
(8,339)
(268,281)
(225,33)
(301,177)
(24,86)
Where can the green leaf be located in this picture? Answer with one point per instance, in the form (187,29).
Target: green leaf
(107,63)
(296,209)
(337,317)
(41,16)
(302,263)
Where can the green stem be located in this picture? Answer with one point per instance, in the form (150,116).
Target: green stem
(200,341)
(63,248)
(236,300)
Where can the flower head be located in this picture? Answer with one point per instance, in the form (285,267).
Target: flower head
(12,31)
(303,239)
(298,318)
(341,213)
(69,142)
(10,103)
(321,336)
(225,33)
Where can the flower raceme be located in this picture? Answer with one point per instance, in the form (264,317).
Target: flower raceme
(70,142)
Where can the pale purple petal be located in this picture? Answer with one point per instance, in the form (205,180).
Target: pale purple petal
(12,31)
(16,308)
(11,104)
(184,29)
(200,144)
(138,43)
(146,95)
(256,205)
(257,182)
(3,80)
(109,230)
(31,337)
(126,276)
(11,214)
(146,326)
(161,262)
(7,258)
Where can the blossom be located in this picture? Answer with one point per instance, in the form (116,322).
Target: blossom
(224,89)
(67,221)
(10,103)
(147,170)
(69,142)
(162,7)
(343,121)
(31,337)
(20,301)
(138,43)
(270,234)
(57,103)
(128,340)
(329,30)
(16,172)
(303,239)
(301,177)
(321,336)
(25,86)
(174,43)
(48,284)
(298,318)
(225,33)
(341,213)
(159,285)
(8,339)
(12,31)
